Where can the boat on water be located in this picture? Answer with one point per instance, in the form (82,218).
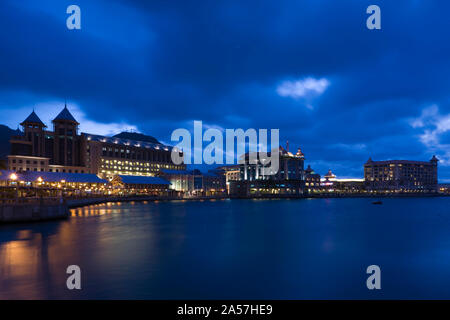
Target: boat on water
(377,202)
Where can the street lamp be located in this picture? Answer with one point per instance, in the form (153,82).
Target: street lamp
(13,177)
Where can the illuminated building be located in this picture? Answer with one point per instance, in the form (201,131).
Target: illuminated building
(65,150)
(288,180)
(401,175)
(231,173)
(54,183)
(291,167)
(330,176)
(194,182)
(145,185)
(312,180)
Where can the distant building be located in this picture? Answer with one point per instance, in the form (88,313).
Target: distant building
(194,182)
(65,150)
(145,185)
(312,180)
(330,176)
(291,167)
(401,175)
(444,188)
(289,179)
(230,172)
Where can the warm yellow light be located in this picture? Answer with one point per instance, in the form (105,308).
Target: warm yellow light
(62,181)
(13,176)
(39,179)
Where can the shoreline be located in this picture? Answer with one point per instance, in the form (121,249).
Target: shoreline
(41,210)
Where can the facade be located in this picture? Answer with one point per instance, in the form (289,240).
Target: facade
(291,167)
(32,183)
(64,149)
(231,173)
(312,180)
(140,185)
(401,175)
(289,180)
(194,182)
(444,188)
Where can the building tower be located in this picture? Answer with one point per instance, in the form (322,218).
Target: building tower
(65,146)
(434,162)
(33,129)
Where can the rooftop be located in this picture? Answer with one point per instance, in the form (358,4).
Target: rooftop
(126,142)
(33,118)
(65,115)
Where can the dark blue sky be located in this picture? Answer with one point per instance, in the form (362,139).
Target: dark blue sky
(310,68)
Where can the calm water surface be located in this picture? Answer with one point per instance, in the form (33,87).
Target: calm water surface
(241,249)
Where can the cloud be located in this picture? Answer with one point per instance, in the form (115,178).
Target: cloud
(434,126)
(303,88)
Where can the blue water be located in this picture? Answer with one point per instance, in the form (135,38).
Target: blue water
(234,249)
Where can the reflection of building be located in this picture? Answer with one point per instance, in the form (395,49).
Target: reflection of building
(401,175)
(65,150)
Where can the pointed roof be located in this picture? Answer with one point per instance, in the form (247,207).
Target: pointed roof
(33,118)
(65,115)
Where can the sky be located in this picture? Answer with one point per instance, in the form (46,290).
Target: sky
(341,92)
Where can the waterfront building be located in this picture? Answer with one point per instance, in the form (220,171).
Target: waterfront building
(140,185)
(312,180)
(231,173)
(330,176)
(401,175)
(444,188)
(53,183)
(291,167)
(194,182)
(266,188)
(288,180)
(64,149)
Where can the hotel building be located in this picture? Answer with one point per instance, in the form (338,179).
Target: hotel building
(401,175)
(64,149)
(288,180)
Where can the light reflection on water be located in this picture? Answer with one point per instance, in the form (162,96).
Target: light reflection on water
(245,249)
